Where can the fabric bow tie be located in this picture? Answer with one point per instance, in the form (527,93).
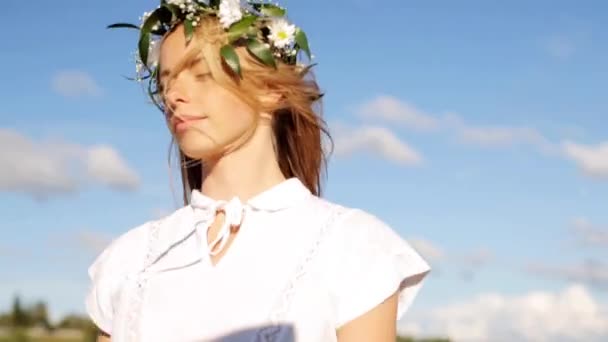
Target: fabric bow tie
(233,216)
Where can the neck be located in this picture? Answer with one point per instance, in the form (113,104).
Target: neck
(245,171)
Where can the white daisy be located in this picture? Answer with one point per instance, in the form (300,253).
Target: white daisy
(139,67)
(230,12)
(282,33)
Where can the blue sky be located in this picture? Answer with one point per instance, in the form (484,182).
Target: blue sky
(477,129)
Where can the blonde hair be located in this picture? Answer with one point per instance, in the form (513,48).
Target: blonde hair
(297,122)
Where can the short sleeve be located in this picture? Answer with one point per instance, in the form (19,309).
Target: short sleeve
(98,301)
(109,270)
(370,262)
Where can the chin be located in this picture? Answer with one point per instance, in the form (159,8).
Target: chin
(197,146)
(204,153)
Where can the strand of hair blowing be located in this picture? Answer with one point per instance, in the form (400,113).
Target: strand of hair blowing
(298,129)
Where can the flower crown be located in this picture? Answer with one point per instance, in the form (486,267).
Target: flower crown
(260,25)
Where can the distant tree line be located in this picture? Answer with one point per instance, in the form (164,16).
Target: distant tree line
(21,318)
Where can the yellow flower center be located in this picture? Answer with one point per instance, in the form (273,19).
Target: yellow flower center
(282,35)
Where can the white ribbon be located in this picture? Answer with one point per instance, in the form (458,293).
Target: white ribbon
(233,216)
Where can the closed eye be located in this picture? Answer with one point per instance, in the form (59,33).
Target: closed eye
(203,76)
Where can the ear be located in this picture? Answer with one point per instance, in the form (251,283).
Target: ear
(270,99)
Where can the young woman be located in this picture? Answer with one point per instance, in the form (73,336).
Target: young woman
(255,254)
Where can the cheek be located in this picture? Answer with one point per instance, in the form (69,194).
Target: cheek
(232,115)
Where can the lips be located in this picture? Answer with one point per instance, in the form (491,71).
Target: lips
(179,123)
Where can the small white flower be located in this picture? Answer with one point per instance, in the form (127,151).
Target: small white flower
(282,33)
(144,17)
(230,12)
(153,53)
(138,68)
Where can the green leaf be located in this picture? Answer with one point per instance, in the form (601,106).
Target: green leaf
(174,9)
(302,42)
(165,14)
(144,47)
(261,52)
(272,10)
(231,58)
(304,71)
(241,27)
(123,25)
(153,19)
(144,35)
(188,29)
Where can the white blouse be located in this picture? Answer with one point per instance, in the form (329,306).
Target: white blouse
(299,268)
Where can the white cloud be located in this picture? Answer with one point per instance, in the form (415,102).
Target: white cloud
(390,109)
(92,241)
(500,135)
(592,160)
(105,165)
(476,258)
(75,83)
(568,315)
(88,241)
(471,262)
(591,272)
(393,110)
(429,250)
(465,263)
(43,168)
(32,167)
(377,140)
(590,234)
(497,135)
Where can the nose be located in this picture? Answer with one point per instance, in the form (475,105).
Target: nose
(175,96)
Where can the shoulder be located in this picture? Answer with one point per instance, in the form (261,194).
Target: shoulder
(359,228)
(126,253)
(352,223)
(124,256)
(366,261)
(358,232)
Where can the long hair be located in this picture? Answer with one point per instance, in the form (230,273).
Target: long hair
(298,127)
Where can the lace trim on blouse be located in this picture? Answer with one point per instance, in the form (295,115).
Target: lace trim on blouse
(281,308)
(141,280)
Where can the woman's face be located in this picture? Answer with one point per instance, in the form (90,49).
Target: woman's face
(205,118)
